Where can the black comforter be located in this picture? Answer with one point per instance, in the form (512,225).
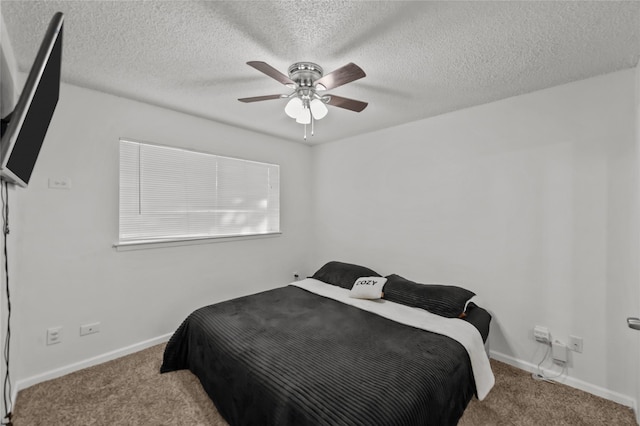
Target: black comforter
(291,357)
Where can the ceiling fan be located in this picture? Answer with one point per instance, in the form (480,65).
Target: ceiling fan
(306,79)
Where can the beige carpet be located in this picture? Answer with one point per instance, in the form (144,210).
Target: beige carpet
(131,391)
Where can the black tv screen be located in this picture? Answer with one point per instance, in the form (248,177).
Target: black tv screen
(29,121)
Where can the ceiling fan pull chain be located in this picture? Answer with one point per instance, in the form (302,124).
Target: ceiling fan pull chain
(305,132)
(312,120)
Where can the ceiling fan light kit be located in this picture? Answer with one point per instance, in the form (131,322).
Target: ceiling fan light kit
(294,107)
(304,117)
(305,104)
(318,109)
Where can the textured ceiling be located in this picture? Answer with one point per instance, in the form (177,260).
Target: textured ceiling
(421,58)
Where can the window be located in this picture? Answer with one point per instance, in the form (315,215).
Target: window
(169,194)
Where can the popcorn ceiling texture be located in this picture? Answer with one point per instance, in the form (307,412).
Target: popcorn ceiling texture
(421,58)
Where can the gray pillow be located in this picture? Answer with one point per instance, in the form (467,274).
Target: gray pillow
(444,300)
(343,274)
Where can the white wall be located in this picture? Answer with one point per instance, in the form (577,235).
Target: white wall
(69,273)
(527,201)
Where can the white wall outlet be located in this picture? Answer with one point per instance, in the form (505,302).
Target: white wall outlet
(59,183)
(94,327)
(541,334)
(54,335)
(575,343)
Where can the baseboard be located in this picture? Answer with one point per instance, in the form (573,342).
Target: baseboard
(118,353)
(58,372)
(570,381)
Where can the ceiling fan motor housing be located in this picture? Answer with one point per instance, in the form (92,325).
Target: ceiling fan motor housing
(305,73)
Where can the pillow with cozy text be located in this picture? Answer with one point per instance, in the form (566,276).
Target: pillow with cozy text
(368,288)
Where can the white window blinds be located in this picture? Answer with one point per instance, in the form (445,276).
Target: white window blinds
(175,194)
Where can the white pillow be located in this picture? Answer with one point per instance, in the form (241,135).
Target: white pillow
(368,288)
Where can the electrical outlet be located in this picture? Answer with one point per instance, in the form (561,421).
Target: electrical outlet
(575,343)
(541,334)
(54,335)
(89,328)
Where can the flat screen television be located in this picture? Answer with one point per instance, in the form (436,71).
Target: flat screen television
(23,130)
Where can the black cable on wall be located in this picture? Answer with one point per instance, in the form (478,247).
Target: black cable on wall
(6,388)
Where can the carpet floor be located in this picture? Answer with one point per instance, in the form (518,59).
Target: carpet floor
(131,391)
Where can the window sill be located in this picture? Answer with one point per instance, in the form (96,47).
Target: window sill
(177,242)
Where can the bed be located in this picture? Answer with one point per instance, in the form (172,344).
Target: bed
(308,354)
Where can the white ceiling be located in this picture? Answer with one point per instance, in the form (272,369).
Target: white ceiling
(421,58)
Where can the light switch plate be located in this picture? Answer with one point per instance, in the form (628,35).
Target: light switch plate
(59,183)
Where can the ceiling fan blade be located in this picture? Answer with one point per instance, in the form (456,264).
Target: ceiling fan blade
(346,103)
(337,78)
(261,98)
(272,72)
